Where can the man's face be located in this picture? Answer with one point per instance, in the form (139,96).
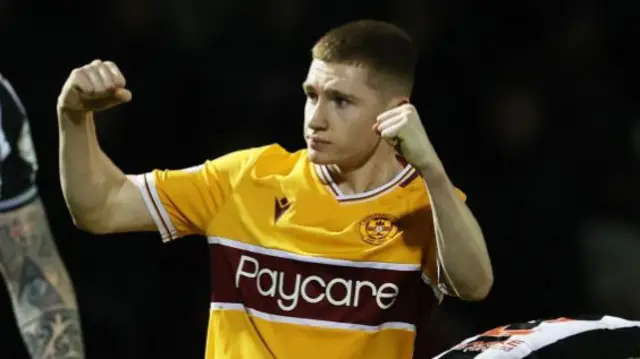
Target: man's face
(339,114)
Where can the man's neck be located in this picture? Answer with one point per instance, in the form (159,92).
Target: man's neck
(377,170)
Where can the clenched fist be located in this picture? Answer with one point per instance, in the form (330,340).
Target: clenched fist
(94,87)
(402,128)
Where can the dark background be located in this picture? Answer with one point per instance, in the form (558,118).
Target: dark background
(532,105)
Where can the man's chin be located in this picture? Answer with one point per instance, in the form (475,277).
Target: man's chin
(320,158)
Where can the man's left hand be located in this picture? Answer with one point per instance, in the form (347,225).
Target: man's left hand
(402,128)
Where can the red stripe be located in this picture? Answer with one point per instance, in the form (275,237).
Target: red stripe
(319,291)
(155,206)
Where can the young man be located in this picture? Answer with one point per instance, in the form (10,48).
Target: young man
(595,337)
(41,292)
(319,253)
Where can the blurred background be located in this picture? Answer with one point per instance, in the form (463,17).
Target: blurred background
(532,105)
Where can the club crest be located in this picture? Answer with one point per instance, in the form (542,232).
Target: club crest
(378,228)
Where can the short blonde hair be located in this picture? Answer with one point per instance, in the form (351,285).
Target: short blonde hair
(383,48)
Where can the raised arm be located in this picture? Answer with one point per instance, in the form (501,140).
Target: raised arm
(100,197)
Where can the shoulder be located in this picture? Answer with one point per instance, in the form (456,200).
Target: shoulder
(261,161)
(271,159)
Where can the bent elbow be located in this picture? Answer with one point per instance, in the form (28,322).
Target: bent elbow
(481,290)
(86,225)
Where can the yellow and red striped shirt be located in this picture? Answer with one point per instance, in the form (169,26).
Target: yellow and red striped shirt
(299,269)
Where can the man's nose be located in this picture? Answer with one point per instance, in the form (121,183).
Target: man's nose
(317,117)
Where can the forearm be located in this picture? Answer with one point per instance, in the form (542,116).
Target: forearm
(461,246)
(41,290)
(87,175)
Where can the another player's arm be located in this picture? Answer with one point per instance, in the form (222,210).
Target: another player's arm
(462,251)
(40,288)
(100,197)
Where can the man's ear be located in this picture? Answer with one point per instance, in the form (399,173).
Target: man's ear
(397,102)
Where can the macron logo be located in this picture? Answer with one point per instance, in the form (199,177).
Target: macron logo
(282,205)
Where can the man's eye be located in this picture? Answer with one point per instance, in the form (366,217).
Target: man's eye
(340,101)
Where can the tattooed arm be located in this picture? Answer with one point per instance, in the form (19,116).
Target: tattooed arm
(41,291)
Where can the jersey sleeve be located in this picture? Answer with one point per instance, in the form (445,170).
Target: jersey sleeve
(432,272)
(184,202)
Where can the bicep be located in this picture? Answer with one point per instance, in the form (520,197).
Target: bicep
(127,210)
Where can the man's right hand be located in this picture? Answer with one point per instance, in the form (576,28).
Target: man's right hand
(94,87)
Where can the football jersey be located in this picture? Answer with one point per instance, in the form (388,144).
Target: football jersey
(601,337)
(17,157)
(299,269)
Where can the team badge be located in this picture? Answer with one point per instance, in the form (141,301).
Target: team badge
(378,228)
